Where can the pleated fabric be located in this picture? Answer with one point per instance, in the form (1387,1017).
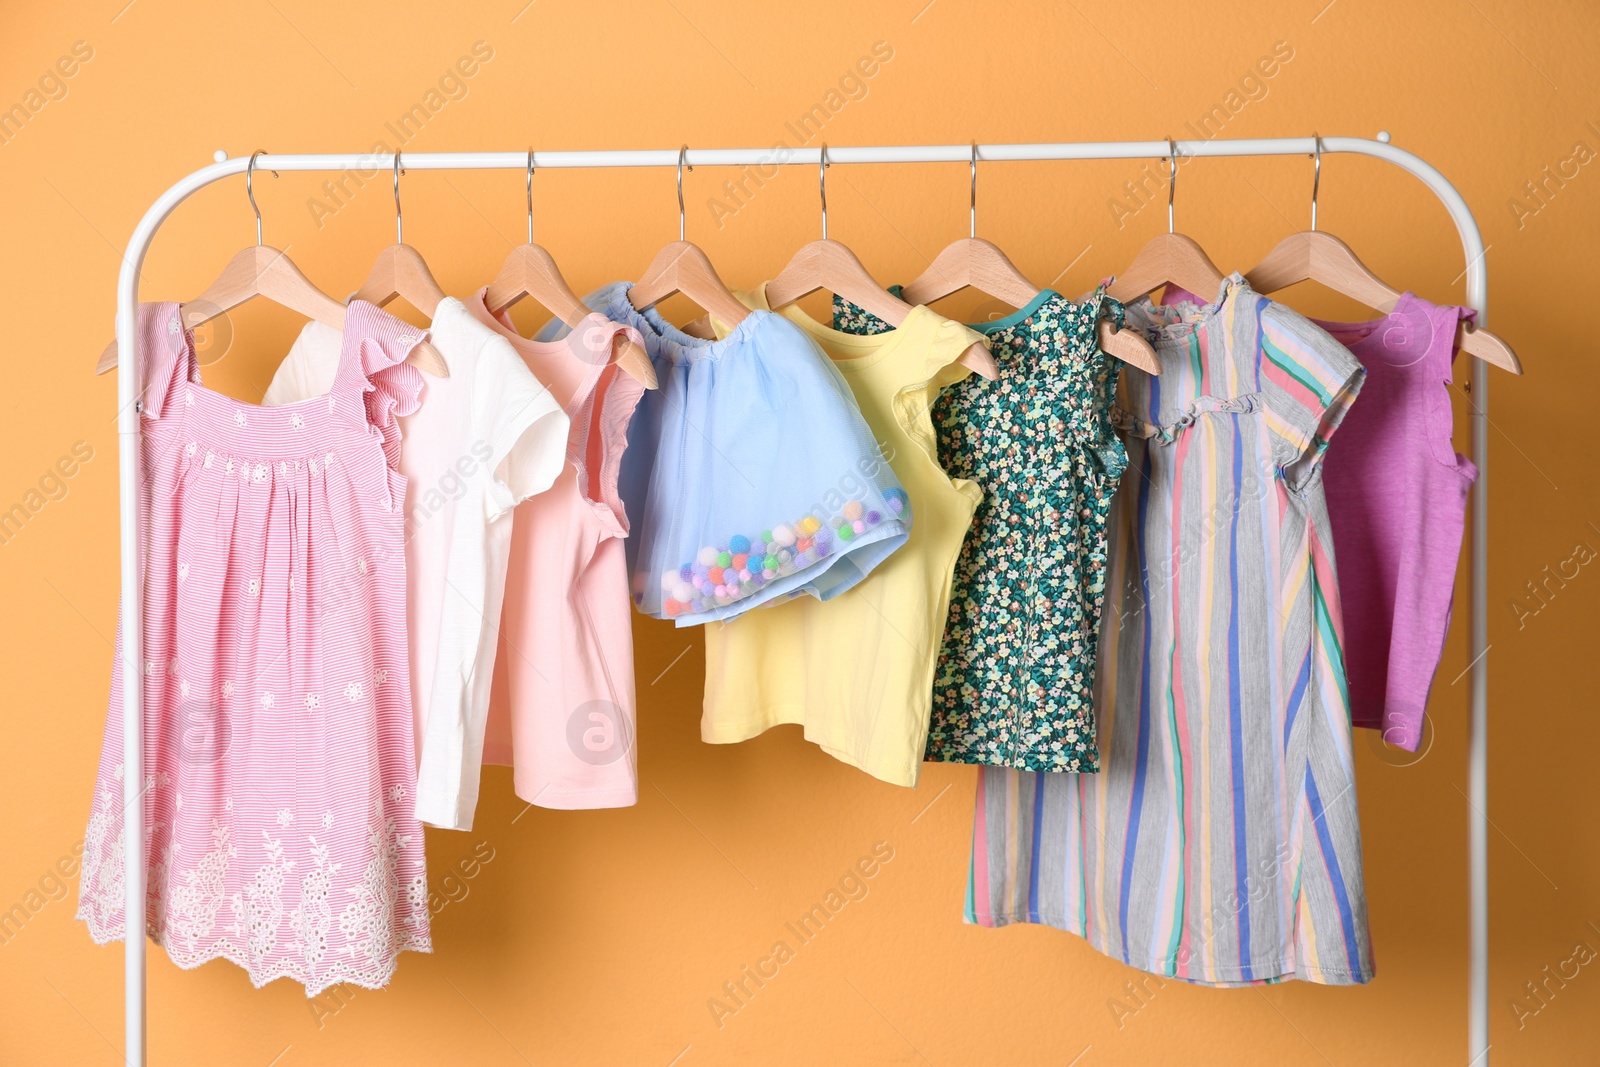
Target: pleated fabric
(278,748)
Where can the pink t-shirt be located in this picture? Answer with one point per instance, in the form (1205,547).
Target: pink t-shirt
(1397,499)
(561,709)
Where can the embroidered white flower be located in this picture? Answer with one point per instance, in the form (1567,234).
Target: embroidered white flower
(313,701)
(172,326)
(211,457)
(179,801)
(119,772)
(227,804)
(149,668)
(260,473)
(188,398)
(327,461)
(191,448)
(362,563)
(229,468)
(254,588)
(353,691)
(297,421)
(227,689)
(291,583)
(313,465)
(327,820)
(183,687)
(239,417)
(380,676)
(285,816)
(183,572)
(267,700)
(172,665)
(396,792)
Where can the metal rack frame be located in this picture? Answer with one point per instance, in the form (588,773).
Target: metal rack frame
(128,429)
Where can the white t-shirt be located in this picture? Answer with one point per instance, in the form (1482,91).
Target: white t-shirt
(484,440)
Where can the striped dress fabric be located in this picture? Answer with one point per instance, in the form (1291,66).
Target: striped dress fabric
(1219,844)
(279,776)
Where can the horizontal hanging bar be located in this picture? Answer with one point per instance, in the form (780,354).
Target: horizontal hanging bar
(783,155)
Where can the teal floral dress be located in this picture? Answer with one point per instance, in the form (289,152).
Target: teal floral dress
(1015,680)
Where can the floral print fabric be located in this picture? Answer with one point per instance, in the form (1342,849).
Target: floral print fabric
(1015,681)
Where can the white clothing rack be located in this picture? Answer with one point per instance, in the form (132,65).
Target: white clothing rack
(129,389)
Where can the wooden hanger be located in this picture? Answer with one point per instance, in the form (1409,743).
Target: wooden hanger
(832,266)
(401,272)
(1170,259)
(262,270)
(681,267)
(530,271)
(1314,256)
(972,262)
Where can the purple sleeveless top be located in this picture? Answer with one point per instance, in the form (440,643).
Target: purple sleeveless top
(1397,498)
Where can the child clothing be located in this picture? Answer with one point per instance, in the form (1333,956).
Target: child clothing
(562,712)
(1015,682)
(278,763)
(1219,843)
(750,475)
(1397,494)
(857,671)
(486,438)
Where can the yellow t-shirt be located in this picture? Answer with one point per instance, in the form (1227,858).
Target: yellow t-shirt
(857,671)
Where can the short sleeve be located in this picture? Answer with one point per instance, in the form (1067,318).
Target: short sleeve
(1308,382)
(931,366)
(166,362)
(523,426)
(611,406)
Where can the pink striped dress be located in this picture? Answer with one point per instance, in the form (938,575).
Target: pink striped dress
(278,743)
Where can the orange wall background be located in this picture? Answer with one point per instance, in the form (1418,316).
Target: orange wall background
(599,937)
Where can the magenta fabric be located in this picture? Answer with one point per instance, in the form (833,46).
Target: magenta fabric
(1397,498)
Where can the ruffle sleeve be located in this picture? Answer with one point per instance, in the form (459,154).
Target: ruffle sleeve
(392,387)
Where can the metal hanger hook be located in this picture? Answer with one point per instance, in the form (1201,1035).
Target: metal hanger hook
(683,164)
(530,195)
(249,188)
(1172,179)
(822,185)
(972,203)
(399,228)
(1316,176)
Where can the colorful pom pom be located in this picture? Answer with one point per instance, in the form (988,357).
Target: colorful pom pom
(809,525)
(716,575)
(859,526)
(852,510)
(738,543)
(846,532)
(724,558)
(784,535)
(739,560)
(873,518)
(770,562)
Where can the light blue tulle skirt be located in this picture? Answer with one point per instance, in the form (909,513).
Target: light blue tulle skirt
(750,476)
